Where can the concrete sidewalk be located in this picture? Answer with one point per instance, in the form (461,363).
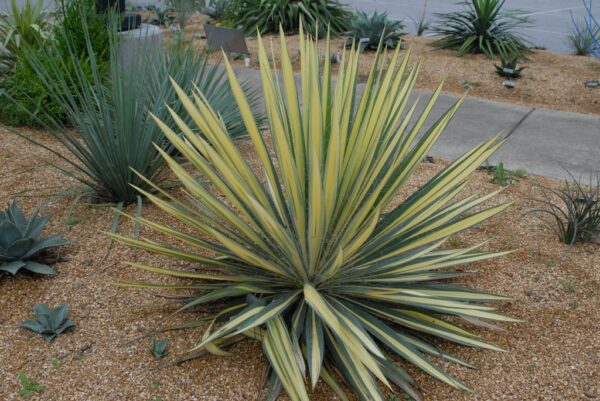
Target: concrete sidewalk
(542,141)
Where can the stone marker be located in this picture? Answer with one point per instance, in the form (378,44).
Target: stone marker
(228,39)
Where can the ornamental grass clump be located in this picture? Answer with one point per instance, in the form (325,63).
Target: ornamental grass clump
(110,108)
(309,254)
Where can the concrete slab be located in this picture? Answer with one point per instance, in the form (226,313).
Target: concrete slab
(550,141)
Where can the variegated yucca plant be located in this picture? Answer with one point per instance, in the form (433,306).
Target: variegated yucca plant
(308,253)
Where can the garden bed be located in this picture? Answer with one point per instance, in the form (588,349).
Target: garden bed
(554,353)
(551,80)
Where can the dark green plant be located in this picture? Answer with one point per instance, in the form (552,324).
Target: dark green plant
(509,67)
(117,137)
(28,386)
(21,246)
(377,28)
(576,215)
(159,347)
(71,34)
(268,15)
(481,28)
(49,322)
(581,38)
(504,177)
(31,102)
(162,16)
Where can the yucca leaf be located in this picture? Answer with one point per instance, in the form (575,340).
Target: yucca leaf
(306,249)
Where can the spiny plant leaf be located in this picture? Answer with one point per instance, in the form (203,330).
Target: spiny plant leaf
(309,253)
(49,322)
(21,246)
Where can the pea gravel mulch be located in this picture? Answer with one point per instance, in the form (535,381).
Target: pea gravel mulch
(553,354)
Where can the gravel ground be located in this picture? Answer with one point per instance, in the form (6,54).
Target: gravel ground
(551,80)
(553,354)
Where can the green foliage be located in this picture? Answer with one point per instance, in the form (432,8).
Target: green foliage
(581,38)
(467,85)
(568,287)
(33,103)
(154,383)
(481,28)
(159,347)
(28,386)
(21,26)
(268,15)
(162,16)
(21,246)
(49,322)
(23,30)
(509,68)
(114,117)
(377,28)
(576,217)
(25,98)
(504,177)
(76,37)
(310,254)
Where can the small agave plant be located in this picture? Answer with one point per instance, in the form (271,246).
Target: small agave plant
(49,322)
(21,246)
(373,30)
(311,255)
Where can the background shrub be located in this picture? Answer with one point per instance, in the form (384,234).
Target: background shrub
(377,28)
(481,28)
(33,104)
(267,15)
(25,26)
(71,36)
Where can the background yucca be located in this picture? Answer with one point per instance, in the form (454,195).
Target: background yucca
(269,15)
(483,27)
(309,257)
